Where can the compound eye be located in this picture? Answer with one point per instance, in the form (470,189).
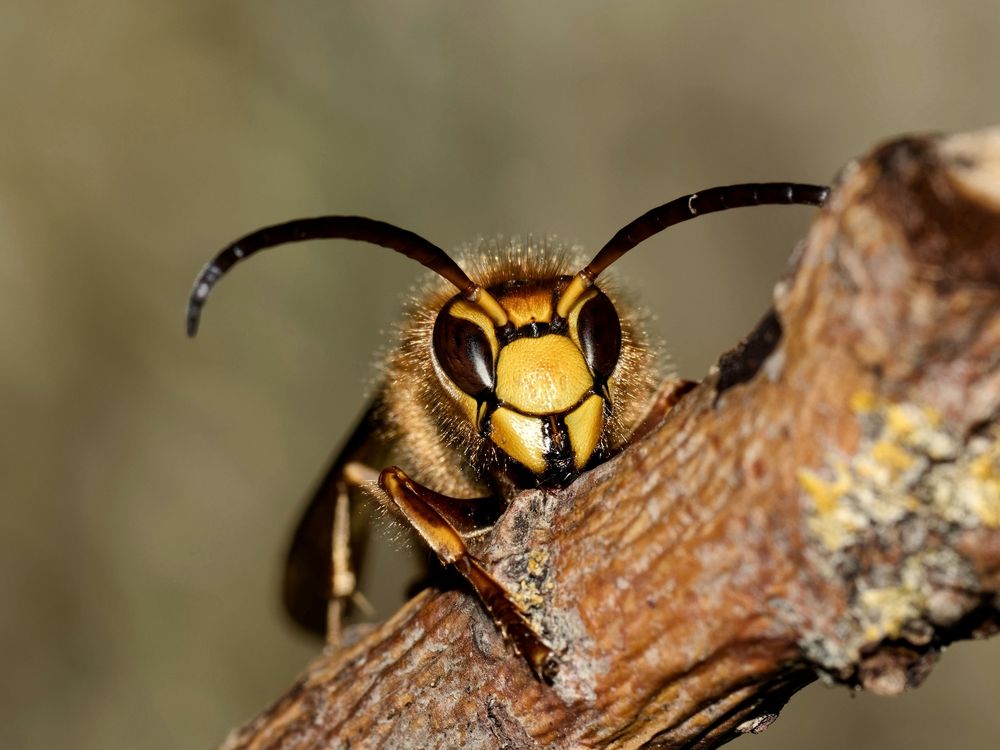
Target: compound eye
(464,352)
(600,335)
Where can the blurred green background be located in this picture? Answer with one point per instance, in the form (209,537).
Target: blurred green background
(150,483)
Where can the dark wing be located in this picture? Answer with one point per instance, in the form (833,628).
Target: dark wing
(306,585)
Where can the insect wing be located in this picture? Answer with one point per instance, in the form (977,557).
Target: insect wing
(306,588)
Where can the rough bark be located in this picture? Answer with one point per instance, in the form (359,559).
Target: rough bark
(826,502)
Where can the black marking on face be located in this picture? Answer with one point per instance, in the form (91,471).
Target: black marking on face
(532,330)
(485,407)
(506,333)
(560,464)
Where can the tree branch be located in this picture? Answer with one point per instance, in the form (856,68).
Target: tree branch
(826,502)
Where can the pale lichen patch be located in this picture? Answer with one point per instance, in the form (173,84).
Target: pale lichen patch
(885,612)
(863,402)
(908,486)
(834,519)
(902,445)
(889,609)
(967,492)
(984,501)
(537,560)
(527,596)
(531,581)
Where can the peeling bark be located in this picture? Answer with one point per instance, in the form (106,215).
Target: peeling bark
(826,502)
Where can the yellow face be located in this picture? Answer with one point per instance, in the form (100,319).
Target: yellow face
(538,387)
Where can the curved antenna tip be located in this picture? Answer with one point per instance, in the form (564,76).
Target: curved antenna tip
(199,294)
(193,313)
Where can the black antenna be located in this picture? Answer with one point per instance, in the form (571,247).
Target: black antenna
(325,227)
(697,204)
(680,210)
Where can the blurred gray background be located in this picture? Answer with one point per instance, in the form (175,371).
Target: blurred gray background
(150,483)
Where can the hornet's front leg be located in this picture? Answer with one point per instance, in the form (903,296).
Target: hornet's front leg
(445,523)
